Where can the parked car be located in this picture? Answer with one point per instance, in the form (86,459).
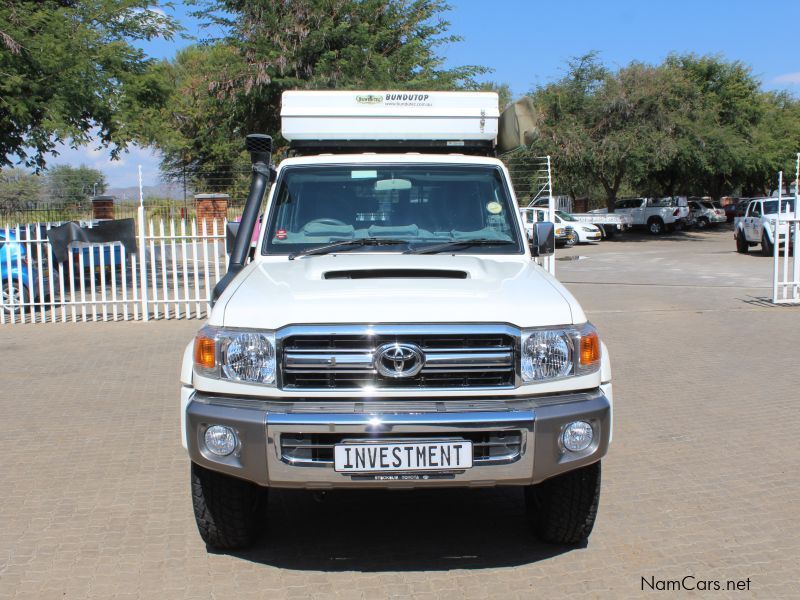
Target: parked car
(656,214)
(583,233)
(566,235)
(17,287)
(706,213)
(756,226)
(735,209)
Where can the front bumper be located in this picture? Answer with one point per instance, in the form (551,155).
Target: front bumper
(264,428)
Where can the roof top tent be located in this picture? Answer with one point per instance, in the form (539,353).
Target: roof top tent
(363,121)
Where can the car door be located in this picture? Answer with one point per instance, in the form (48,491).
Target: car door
(756,228)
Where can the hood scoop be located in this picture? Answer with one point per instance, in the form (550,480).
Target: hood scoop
(396,274)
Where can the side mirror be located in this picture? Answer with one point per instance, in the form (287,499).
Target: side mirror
(543,239)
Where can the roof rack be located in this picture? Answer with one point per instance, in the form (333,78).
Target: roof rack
(384,121)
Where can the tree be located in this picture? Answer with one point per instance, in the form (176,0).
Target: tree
(18,189)
(70,72)
(606,128)
(775,143)
(272,46)
(714,139)
(73,185)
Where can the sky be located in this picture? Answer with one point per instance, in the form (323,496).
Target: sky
(528,43)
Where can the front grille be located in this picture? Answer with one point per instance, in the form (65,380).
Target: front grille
(346,361)
(317,448)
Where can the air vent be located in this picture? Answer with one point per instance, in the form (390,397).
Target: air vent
(396,274)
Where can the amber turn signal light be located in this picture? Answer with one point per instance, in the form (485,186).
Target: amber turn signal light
(590,348)
(204,356)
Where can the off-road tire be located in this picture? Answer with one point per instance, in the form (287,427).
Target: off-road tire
(702,223)
(766,246)
(742,247)
(562,509)
(655,225)
(229,512)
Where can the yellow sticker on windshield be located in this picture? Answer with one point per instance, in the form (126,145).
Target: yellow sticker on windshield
(494,207)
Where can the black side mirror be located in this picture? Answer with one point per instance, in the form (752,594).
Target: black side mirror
(543,239)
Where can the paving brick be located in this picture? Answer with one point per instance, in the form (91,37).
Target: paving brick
(701,477)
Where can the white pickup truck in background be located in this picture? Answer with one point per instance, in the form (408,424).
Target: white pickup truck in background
(608,224)
(656,214)
(757,224)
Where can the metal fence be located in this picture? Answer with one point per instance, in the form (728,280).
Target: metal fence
(171,275)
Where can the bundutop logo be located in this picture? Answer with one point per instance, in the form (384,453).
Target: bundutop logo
(369,99)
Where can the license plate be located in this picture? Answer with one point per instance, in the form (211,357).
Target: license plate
(397,456)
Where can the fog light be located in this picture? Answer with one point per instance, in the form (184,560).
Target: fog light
(220,440)
(577,436)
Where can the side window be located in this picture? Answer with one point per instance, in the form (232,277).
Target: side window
(755,209)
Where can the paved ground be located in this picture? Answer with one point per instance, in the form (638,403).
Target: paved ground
(701,479)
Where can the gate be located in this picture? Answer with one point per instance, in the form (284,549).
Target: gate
(171,276)
(786,240)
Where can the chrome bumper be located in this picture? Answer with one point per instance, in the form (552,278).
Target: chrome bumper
(262,426)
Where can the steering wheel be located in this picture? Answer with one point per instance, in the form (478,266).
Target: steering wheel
(326,221)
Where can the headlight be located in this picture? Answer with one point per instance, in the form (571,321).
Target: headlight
(556,353)
(589,229)
(236,355)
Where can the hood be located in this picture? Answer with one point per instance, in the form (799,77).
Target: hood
(393,288)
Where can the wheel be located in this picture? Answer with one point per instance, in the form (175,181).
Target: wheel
(702,223)
(766,246)
(742,247)
(563,509)
(15,297)
(655,225)
(229,511)
(571,239)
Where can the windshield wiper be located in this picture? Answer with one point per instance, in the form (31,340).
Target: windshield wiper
(359,242)
(456,243)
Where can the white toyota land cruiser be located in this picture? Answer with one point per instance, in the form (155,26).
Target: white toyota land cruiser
(393,329)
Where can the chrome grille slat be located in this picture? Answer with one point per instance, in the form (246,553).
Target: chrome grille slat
(334,360)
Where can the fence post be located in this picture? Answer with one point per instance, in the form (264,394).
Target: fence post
(142,242)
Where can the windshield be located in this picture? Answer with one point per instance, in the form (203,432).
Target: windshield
(565,216)
(415,205)
(771,206)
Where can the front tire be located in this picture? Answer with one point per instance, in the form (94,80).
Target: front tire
(742,247)
(229,511)
(15,297)
(702,223)
(571,239)
(563,509)
(766,246)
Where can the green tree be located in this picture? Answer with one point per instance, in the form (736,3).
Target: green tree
(18,189)
(604,128)
(74,185)
(775,144)
(714,138)
(270,47)
(70,72)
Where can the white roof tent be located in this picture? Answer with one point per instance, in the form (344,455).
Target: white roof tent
(361,121)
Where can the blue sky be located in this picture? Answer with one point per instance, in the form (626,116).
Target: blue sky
(528,43)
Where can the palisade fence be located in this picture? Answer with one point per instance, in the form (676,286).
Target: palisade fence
(786,237)
(170,276)
(177,262)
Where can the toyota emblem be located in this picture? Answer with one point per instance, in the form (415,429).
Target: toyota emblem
(399,360)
